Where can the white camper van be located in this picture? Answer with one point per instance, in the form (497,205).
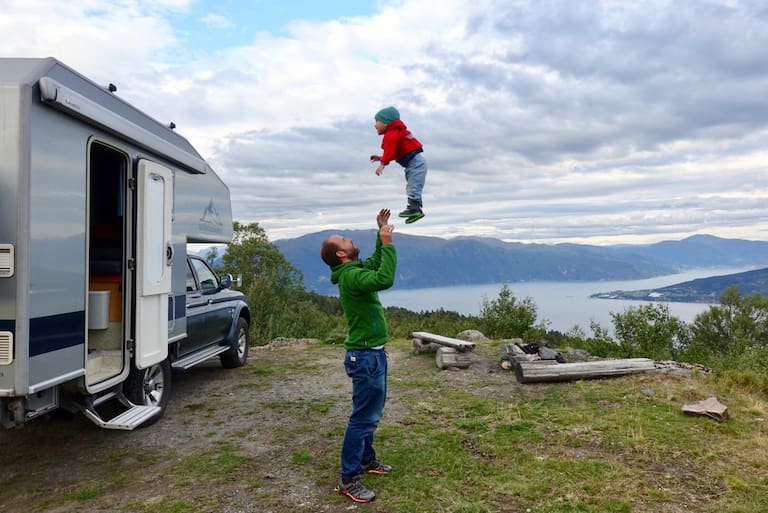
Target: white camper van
(98,298)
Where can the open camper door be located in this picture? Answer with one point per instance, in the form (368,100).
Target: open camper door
(154,255)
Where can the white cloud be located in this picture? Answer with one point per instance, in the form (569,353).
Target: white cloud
(596,121)
(103,40)
(216,21)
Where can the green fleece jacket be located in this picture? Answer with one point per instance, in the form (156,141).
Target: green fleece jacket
(359,283)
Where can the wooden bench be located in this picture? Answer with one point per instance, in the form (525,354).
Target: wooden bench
(449,352)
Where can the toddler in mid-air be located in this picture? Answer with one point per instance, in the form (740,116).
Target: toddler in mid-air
(401,146)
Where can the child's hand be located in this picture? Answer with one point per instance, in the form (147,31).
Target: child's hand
(375,158)
(380,170)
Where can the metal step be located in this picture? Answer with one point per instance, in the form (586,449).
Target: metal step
(197,357)
(130,419)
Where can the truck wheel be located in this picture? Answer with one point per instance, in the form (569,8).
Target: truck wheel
(150,387)
(237,355)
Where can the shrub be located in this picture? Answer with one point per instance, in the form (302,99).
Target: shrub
(508,317)
(649,331)
(738,323)
(403,322)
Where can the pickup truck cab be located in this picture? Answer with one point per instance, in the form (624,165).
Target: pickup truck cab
(218,321)
(217,316)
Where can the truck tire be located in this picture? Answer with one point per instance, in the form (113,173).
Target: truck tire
(237,354)
(150,387)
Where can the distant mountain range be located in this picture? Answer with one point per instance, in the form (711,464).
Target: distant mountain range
(701,290)
(436,262)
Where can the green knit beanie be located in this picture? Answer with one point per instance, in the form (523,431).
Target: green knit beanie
(387,115)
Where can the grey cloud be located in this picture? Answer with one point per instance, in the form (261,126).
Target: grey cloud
(553,120)
(635,77)
(300,148)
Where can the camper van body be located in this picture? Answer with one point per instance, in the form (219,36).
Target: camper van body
(98,201)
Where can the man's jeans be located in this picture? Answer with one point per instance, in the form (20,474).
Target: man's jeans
(415,176)
(368,370)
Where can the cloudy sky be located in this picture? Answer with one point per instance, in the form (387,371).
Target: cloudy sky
(542,121)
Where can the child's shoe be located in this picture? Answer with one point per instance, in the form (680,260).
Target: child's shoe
(414,217)
(410,210)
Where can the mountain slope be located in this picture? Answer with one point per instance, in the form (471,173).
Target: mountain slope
(701,251)
(701,290)
(433,262)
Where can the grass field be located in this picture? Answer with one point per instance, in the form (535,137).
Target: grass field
(266,438)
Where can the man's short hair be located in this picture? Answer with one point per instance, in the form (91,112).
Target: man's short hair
(328,253)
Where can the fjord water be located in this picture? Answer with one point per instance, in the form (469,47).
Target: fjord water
(563,304)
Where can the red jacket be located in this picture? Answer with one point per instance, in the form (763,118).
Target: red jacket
(398,142)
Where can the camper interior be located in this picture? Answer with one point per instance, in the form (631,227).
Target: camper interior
(107,238)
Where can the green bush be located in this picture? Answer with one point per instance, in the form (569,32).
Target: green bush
(287,312)
(737,323)
(403,322)
(649,331)
(508,317)
(599,344)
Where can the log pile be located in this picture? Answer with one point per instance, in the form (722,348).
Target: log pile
(534,372)
(449,352)
(534,363)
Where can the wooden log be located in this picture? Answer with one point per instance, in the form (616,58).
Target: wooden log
(511,364)
(529,372)
(420,346)
(450,357)
(461,345)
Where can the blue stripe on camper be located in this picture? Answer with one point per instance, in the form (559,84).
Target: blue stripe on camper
(8,325)
(178,310)
(56,332)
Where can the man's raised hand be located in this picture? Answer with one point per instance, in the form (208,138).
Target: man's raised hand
(383,217)
(385,233)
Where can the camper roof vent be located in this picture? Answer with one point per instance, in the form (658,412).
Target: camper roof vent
(6,260)
(6,347)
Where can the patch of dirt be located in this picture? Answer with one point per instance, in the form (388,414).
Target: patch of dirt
(272,419)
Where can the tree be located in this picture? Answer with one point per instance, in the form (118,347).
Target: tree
(211,254)
(739,322)
(253,256)
(649,331)
(599,344)
(506,317)
(279,304)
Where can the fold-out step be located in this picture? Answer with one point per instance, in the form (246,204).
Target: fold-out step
(128,420)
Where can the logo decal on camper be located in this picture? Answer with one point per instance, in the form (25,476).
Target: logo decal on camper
(211,215)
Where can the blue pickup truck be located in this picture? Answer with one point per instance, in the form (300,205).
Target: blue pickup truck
(218,321)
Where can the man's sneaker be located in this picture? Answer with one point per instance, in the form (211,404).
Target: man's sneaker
(356,490)
(377,467)
(414,217)
(410,211)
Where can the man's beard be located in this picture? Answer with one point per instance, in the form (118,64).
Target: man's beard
(354,254)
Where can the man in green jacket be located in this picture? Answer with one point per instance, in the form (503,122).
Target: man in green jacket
(365,360)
